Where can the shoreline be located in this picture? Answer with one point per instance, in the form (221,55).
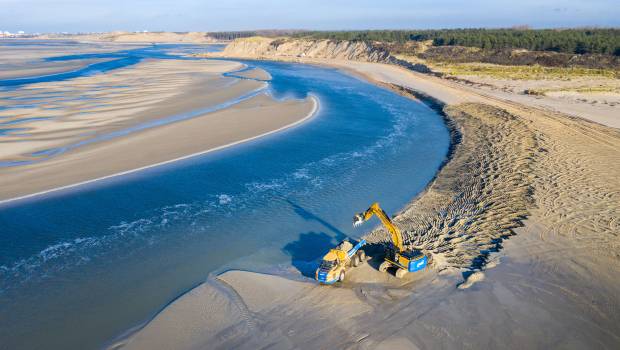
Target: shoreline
(539,188)
(312,113)
(436,87)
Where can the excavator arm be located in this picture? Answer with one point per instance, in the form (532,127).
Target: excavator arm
(375,209)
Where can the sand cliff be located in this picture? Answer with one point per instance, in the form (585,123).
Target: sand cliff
(259,47)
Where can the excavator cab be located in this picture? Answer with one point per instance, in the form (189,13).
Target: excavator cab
(407,260)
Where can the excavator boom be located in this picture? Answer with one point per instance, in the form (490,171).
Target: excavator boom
(375,209)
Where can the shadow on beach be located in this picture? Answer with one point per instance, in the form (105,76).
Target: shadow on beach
(311,246)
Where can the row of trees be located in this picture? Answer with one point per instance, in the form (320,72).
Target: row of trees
(579,41)
(231,35)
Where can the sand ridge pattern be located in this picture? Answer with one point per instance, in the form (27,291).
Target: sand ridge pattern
(508,164)
(480,195)
(579,171)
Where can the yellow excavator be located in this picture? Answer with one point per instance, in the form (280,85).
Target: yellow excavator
(404,260)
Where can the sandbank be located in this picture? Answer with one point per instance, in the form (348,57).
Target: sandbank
(255,73)
(71,132)
(136,37)
(247,120)
(42,68)
(59,114)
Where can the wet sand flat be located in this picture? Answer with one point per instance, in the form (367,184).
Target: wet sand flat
(32,50)
(249,119)
(56,133)
(19,70)
(55,115)
(26,58)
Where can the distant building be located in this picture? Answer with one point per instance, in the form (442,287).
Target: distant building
(7,34)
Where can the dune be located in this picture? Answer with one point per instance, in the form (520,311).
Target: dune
(137,37)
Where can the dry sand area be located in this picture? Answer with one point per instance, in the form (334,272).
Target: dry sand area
(522,223)
(137,37)
(594,98)
(70,132)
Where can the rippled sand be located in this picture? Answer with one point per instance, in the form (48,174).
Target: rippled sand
(27,59)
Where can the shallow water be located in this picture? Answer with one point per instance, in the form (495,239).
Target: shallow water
(80,267)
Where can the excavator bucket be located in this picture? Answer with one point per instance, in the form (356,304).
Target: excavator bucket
(358,219)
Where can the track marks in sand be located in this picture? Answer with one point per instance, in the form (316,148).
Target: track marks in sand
(578,190)
(480,195)
(508,164)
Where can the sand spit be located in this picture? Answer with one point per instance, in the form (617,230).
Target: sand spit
(137,37)
(20,61)
(37,69)
(255,73)
(522,224)
(44,122)
(247,120)
(27,50)
(54,115)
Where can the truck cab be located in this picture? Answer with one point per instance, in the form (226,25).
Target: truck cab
(332,267)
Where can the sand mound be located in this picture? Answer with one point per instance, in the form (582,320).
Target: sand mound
(472,279)
(480,196)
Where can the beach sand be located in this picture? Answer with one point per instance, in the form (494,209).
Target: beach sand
(30,50)
(100,105)
(255,73)
(135,37)
(522,223)
(18,70)
(67,112)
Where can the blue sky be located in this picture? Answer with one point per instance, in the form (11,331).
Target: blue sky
(209,15)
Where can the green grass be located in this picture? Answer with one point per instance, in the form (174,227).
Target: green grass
(523,72)
(582,89)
